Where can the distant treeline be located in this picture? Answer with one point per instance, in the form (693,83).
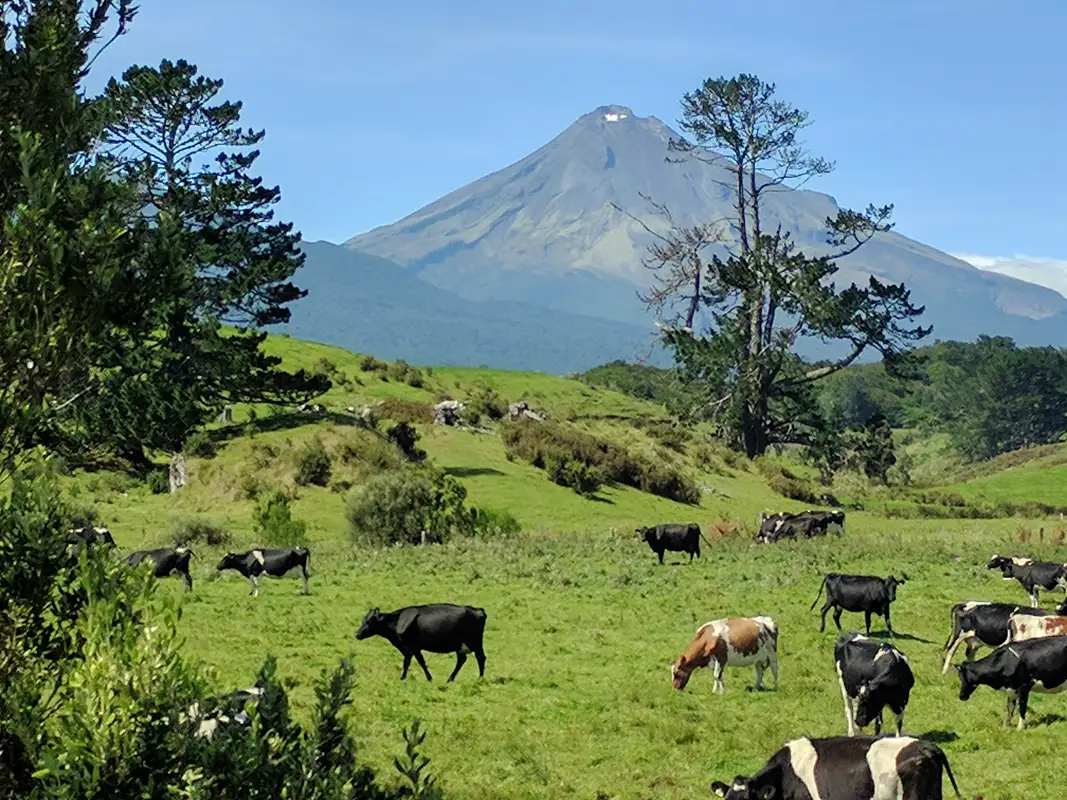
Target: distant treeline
(989,396)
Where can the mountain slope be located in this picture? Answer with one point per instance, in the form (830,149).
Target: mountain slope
(371,305)
(545,230)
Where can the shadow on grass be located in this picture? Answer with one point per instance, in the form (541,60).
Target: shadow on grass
(470,472)
(939,737)
(280,422)
(904,637)
(1043,719)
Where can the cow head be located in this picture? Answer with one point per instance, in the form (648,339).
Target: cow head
(371,625)
(229,561)
(868,704)
(646,534)
(891,584)
(998,562)
(967,681)
(743,789)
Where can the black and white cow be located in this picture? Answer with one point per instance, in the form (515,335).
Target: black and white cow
(866,593)
(872,675)
(683,538)
(779,526)
(90,535)
(980,623)
(1032,575)
(167,560)
(230,710)
(436,628)
(846,768)
(272,561)
(1017,669)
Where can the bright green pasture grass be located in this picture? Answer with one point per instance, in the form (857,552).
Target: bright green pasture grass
(1035,481)
(577,700)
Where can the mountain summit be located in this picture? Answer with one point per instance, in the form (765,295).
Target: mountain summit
(545,230)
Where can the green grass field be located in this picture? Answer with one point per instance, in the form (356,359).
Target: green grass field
(582,621)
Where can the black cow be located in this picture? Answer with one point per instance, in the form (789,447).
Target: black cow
(872,675)
(437,628)
(1033,575)
(684,538)
(167,561)
(846,768)
(980,623)
(865,593)
(1017,669)
(90,535)
(779,526)
(273,561)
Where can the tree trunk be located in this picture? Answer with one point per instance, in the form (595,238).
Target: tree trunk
(178,476)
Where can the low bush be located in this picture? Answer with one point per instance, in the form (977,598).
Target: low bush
(484,401)
(190,531)
(409,411)
(313,464)
(274,524)
(371,364)
(397,507)
(200,444)
(406,439)
(558,449)
(668,435)
(491,522)
(158,481)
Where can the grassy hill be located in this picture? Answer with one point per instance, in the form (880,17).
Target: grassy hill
(581,620)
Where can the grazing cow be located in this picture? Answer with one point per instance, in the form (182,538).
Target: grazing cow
(1017,669)
(807,524)
(436,628)
(730,642)
(872,675)
(1032,575)
(844,768)
(1023,627)
(231,710)
(90,535)
(167,561)
(674,537)
(865,593)
(273,561)
(980,623)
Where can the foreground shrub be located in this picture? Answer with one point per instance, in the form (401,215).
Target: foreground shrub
(274,524)
(583,462)
(397,507)
(485,402)
(491,522)
(313,464)
(158,481)
(200,444)
(406,439)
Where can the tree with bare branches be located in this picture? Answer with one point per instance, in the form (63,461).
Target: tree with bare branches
(758,301)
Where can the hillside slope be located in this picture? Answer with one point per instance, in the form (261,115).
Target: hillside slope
(544,230)
(362,302)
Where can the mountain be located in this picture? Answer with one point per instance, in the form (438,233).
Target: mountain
(544,230)
(370,305)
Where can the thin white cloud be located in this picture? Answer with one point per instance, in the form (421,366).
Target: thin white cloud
(1048,272)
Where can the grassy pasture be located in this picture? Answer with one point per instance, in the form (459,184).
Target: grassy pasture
(582,622)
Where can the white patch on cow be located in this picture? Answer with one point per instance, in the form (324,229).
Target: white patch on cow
(882,761)
(802,758)
(849,716)
(258,556)
(971,605)
(883,651)
(1019,561)
(181,550)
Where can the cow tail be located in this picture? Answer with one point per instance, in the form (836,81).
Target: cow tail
(954,623)
(948,771)
(821,585)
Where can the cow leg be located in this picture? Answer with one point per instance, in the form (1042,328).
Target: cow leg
(759,677)
(952,651)
(822,622)
(255,585)
(1024,702)
(888,624)
(720,687)
(900,721)
(407,663)
(479,655)
(461,659)
(1033,596)
(878,723)
(188,579)
(837,618)
(867,621)
(422,663)
(774,668)
(304,575)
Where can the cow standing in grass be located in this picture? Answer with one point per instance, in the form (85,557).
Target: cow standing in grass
(980,623)
(436,628)
(167,561)
(1032,575)
(872,675)
(866,593)
(730,642)
(683,538)
(273,561)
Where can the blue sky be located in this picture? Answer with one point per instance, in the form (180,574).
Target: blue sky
(954,110)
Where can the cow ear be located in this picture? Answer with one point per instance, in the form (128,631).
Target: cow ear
(719,789)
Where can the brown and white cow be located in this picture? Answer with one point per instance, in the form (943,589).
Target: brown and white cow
(1022,627)
(730,642)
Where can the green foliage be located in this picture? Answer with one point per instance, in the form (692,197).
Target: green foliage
(274,524)
(409,411)
(876,450)
(399,507)
(484,401)
(412,765)
(583,462)
(406,438)
(201,444)
(494,523)
(158,481)
(192,531)
(655,384)
(313,464)
(742,372)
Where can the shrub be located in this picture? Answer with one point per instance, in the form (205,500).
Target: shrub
(406,438)
(470,417)
(484,401)
(670,436)
(263,454)
(408,411)
(201,444)
(494,522)
(250,485)
(158,481)
(371,364)
(196,530)
(273,522)
(558,448)
(313,464)
(396,507)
